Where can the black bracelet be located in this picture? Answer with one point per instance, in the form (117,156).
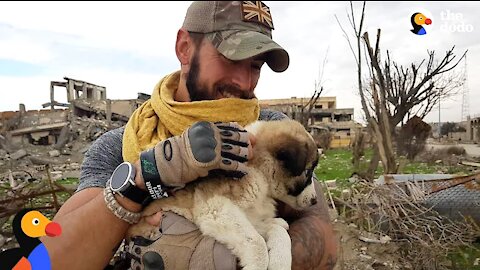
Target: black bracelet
(151,176)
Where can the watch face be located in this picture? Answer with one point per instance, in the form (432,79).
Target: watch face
(120,176)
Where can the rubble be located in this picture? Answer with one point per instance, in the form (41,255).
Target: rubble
(38,148)
(18,154)
(54,153)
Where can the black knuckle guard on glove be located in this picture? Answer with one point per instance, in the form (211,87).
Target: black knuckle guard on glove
(203,148)
(202,142)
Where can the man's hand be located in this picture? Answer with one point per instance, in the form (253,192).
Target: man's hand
(203,148)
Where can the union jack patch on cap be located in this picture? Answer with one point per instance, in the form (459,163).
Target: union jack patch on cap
(257,11)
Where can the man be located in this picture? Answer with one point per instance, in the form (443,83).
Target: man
(175,138)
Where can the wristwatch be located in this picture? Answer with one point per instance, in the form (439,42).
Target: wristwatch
(122,182)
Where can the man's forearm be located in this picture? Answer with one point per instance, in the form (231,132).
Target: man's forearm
(90,235)
(314,244)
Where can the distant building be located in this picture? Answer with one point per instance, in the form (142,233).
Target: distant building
(470,132)
(473,129)
(324,115)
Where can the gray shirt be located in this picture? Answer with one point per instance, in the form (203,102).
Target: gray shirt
(105,154)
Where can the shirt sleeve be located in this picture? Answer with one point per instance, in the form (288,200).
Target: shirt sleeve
(101,159)
(271,115)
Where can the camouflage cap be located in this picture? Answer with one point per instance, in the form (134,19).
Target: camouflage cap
(238,29)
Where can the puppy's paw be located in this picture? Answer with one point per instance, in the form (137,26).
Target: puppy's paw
(144,229)
(280,222)
(279,262)
(279,246)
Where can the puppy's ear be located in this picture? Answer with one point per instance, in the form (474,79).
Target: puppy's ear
(294,157)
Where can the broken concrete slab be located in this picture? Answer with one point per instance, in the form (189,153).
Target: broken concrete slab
(36,136)
(18,154)
(38,128)
(63,138)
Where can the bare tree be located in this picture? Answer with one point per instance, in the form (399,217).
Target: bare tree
(396,91)
(417,89)
(361,89)
(393,93)
(306,110)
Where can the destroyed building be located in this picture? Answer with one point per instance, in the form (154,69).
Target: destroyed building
(87,110)
(324,116)
(61,133)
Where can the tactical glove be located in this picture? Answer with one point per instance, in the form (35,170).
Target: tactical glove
(201,149)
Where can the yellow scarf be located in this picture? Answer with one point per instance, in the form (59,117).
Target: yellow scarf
(162,117)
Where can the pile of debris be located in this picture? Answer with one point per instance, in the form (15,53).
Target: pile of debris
(393,227)
(61,135)
(54,147)
(40,147)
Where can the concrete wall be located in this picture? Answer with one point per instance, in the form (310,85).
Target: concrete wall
(124,107)
(42,117)
(459,136)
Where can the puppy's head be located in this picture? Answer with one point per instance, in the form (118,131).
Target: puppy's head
(287,155)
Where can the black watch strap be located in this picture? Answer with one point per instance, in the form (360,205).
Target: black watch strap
(151,176)
(137,195)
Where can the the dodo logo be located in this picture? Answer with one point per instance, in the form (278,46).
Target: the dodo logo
(418,19)
(28,226)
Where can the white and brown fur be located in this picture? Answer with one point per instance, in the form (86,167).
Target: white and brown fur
(242,213)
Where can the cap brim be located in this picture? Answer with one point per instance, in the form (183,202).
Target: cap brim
(243,44)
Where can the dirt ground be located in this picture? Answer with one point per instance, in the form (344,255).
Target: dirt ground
(355,254)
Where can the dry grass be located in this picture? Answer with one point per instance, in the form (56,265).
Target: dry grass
(426,237)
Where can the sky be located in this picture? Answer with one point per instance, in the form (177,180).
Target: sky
(129,46)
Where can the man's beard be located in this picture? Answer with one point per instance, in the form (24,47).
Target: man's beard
(198,92)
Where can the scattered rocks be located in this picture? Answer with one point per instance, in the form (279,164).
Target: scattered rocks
(54,153)
(365,257)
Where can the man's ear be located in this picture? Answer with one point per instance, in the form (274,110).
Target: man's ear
(184,47)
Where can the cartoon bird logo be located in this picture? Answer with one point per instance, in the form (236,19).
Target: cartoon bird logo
(418,19)
(28,225)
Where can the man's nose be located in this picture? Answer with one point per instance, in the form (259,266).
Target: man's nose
(242,76)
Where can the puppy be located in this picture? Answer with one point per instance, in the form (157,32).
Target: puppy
(242,213)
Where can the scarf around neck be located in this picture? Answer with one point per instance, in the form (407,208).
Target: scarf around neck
(161,116)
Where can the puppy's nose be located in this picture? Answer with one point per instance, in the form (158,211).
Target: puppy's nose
(313,201)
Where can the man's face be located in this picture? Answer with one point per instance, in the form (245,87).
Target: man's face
(212,76)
